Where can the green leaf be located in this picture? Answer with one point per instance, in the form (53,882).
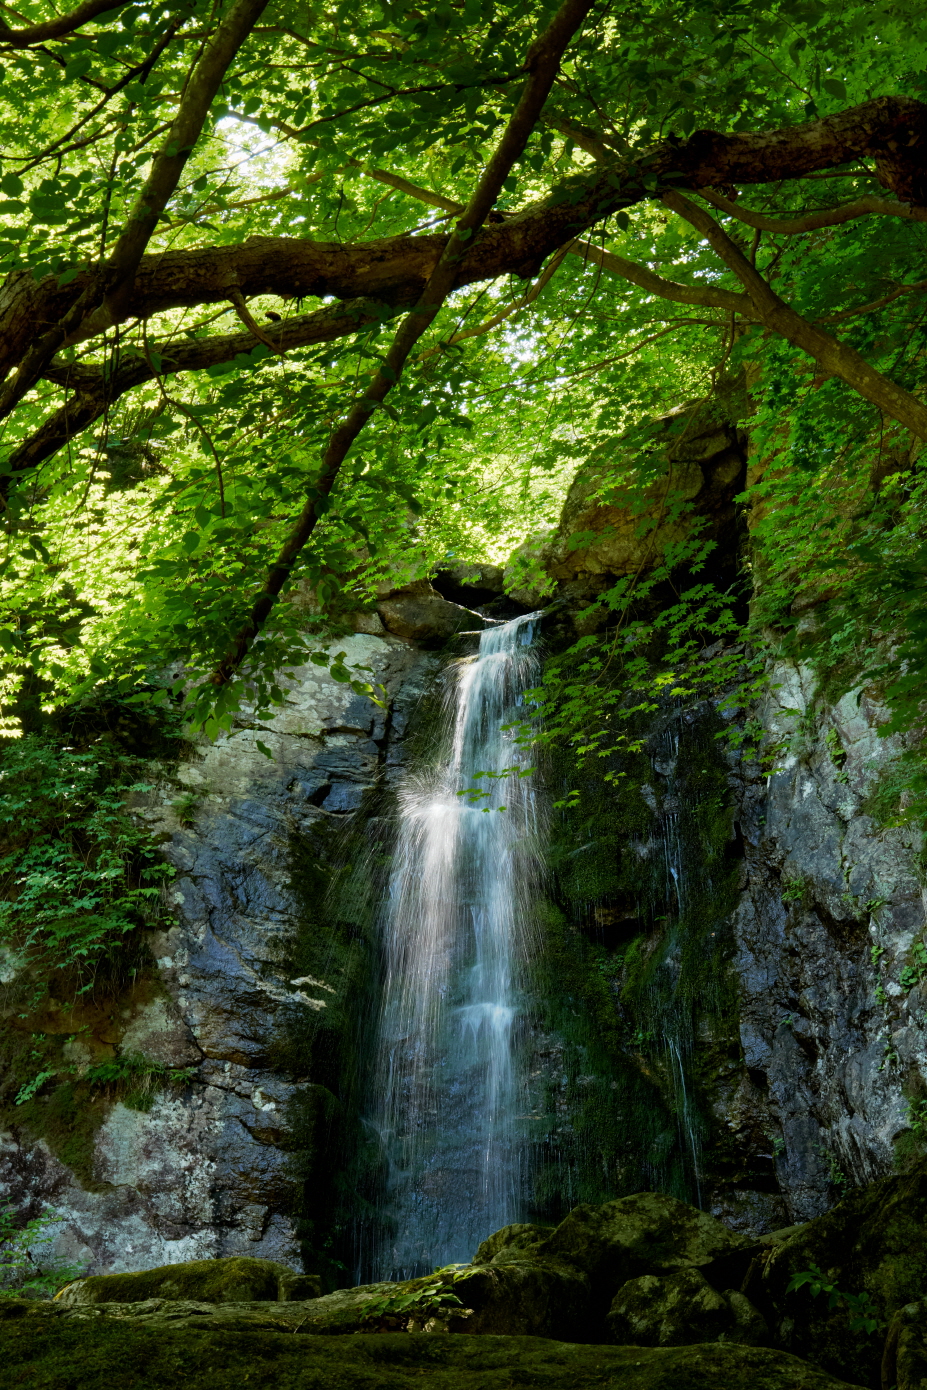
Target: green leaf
(262,748)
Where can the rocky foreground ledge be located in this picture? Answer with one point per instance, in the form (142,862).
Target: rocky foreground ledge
(644,1293)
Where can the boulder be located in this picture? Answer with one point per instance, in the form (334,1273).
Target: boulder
(649,1233)
(514,1242)
(870,1246)
(681,1309)
(161,1346)
(419,613)
(532,1298)
(904,1359)
(627,504)
(239,1279)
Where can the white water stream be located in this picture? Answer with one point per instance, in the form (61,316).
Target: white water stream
(457,932)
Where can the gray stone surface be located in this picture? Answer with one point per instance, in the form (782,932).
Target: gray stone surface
(830,909)
(204,1173)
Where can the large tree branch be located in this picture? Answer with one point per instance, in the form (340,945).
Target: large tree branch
(891,129)
(837,358)
(542,63)
(114,280)
(59,26)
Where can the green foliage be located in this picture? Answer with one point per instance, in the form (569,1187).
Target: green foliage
(135,1079)
(863,1315)
(912,974)
(27,1269)
(146,538)
(430,1297)
(78,875)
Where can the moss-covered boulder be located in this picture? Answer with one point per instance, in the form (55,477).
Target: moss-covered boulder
(681,1309)
(96,1348)
(904,1359)
(516,1242)
(533,1298)
(872,1244)
(239,1279)
(649,1233)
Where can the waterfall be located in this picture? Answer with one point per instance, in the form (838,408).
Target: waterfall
(456,931)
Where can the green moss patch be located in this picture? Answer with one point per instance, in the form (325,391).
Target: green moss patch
(59,1354)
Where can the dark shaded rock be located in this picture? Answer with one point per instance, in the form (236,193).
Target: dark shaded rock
(469,584)
(681,1309)
(904,1360)
(649,1233)
(419,613)
(218,1347)
(516,1298)
(240,1279)
(873,1243)
(514,1242)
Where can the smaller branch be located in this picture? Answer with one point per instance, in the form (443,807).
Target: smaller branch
(875,304)
(812,221)
(244,314)
(504,314)
(837,358)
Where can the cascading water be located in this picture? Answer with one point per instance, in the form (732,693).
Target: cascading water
(456,925)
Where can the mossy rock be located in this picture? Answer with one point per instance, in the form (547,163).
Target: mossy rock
(682,1309)
(872,1242)
(904,1361)
(649,1233)
(239,1279)
(514,1242)
(528,1297)
(95,1350)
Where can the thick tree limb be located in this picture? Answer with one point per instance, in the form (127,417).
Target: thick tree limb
(891,129)
(114,279)
(542,63)
(96,390)
(836,358)
(59,26)
(813,221)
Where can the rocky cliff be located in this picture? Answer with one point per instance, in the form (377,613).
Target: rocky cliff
(730,991)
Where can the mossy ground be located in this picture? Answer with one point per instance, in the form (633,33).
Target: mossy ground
(45,1354)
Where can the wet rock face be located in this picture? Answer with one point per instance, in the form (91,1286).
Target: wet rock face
(208,1170)
(832,1020)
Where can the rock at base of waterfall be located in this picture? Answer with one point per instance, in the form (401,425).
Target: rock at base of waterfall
(239,1279)
(515,1242)
(649,1233)
(419,613)
(519,1299)
(904,1361)
(871,1248)
(681,1309)
(158,1345)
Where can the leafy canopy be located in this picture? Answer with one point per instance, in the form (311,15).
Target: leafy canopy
(214,218)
